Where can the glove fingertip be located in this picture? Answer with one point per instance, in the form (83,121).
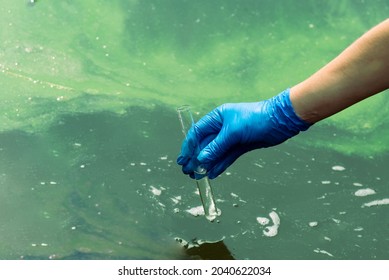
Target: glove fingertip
(181,160)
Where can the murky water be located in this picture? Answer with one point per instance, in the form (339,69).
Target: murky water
(89,133)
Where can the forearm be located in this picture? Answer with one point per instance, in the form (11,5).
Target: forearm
(357,73)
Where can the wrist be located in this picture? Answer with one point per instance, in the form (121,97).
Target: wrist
(303,105)
(286,114)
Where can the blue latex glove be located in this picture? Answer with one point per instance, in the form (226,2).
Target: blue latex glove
(233,129)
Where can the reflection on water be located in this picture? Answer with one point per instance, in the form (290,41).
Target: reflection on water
(87,158)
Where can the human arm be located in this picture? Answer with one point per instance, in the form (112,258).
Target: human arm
(234,129)
(360,71)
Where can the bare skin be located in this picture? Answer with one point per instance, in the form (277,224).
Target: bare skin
(359,72)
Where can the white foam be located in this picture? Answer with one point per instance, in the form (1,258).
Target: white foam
(336,220)
(313,224)
(323,252)
(338,168)
(384,201)
(272,231)
(196,211)
(176,199)
(234,195)
(155,191)
(263,221)
(364,192)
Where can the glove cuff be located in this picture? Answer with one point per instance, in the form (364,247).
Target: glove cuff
(286,116)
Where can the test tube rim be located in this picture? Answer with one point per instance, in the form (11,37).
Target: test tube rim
(183,108)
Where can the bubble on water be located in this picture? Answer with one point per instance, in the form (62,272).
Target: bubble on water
(357,184)
(326,182)
(364,192)
(358,229)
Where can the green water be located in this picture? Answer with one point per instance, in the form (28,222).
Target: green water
(89,134)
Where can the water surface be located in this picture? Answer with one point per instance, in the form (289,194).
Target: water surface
(89,133)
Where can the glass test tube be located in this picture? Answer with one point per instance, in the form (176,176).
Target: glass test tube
(201,177)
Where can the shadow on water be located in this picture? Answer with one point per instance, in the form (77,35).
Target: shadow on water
(198,249)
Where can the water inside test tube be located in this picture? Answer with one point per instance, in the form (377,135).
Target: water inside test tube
(206,195)
(202,181)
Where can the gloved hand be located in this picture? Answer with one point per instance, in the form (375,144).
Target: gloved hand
(233,129)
